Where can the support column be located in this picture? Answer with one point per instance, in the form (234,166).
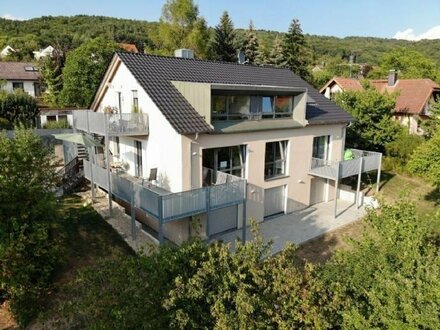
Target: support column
(160,221)
(208,211)
(336,190)
(244,223)
(358,190)
(133,214)
(107,161)
(378,173)
(91,160)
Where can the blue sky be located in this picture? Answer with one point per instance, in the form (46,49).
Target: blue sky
(406,19)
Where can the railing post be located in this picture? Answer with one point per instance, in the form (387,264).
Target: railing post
(107,157)
(378,173)
(208,210)
(336,189)
(359,182)
(244,225)
(133,214)
(160,200)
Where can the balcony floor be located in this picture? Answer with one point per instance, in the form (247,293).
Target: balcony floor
(301,226)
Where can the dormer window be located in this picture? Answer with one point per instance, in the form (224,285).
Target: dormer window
(244,107)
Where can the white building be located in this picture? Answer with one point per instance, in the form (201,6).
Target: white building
(48,51)
(20,75)
(8,50)
(207,127)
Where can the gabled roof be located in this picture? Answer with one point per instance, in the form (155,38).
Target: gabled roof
(412,94)
(18,71)
(344,84)
(156,73)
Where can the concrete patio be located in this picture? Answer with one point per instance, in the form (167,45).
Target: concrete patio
(301,226)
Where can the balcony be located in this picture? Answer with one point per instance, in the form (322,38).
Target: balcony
(363,161)
(122,124)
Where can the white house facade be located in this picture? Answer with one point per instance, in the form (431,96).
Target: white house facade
(207,124)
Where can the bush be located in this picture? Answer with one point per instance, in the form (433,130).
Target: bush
(29,237)
(56,124)
(18,108)
(399,152)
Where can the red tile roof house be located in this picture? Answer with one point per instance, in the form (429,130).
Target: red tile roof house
(221,142)
(412,103)
(20,75)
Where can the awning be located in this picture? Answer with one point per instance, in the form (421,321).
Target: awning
(80,138)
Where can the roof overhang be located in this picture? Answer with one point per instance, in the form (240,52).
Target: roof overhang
(257,88)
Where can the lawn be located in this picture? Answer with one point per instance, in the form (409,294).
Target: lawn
(393,187)
(88,238)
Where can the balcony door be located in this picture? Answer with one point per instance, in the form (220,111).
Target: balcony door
(138,159)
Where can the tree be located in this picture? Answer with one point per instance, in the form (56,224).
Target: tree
(262,56)
(181,27)
(276,55)
(432,124)
(425,160)
(295,50)
(373,127)
(223,46)
(251,45)
(408,63)
(84,69)
(18,107)
(51,75)
(29,239)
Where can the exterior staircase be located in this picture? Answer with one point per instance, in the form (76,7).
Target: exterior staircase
(72,175)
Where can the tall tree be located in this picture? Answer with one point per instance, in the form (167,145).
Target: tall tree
(181,27)
(295,50)
(51,76)
(251,44)
(223,46)
(276,55)
(83,71)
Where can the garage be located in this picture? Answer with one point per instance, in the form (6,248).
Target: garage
(222,220)
(274,201)
(317,190)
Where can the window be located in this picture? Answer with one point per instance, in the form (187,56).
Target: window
(135,101)
(17,85)
(229,160)
(236,107)
(37,89)
(51,118)
(321,147)
(275,159)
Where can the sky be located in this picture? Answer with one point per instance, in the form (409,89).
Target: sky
(403,19)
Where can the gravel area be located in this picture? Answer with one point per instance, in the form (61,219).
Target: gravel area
(121,222)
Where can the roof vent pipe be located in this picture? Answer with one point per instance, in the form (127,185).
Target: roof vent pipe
(392,78)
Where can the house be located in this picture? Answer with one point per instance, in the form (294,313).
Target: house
(47,115)
(20,75)
(413,96)
(222,142)
(39,54)
(8,50)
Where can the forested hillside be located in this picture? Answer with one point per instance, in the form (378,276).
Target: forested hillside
(71,32)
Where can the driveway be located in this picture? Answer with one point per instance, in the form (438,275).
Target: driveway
(301,226)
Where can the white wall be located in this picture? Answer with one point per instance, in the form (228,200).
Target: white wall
(28,86)
(162,147)
(331,90)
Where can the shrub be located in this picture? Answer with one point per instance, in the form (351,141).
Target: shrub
(29,239)
(18,108)
(399,152)
(56,124)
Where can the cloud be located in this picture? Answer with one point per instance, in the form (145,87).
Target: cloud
(409,34)
(12,17)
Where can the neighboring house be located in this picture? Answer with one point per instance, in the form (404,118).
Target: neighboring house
(19,75)
(224,142)
(8,50)
(39,54)
(54,115)
(129,47)
(413,96)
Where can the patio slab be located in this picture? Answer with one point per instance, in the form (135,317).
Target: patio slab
(300,226)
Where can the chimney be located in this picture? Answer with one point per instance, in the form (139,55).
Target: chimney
(184,53)
(392,78)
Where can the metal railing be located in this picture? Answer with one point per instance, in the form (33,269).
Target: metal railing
(114,124)
(171,206)
(363,161)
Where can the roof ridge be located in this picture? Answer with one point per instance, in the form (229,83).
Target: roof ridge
(200,60)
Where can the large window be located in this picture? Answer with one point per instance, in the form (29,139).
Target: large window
(321,147)
(236,107)
(17,85)
(275,159)
(231,160)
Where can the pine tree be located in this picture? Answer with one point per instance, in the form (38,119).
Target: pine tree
(223,45)
(262,55)
(251,44)
(295,50)
(276,55)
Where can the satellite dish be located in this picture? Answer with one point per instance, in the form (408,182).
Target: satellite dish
(241,58)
